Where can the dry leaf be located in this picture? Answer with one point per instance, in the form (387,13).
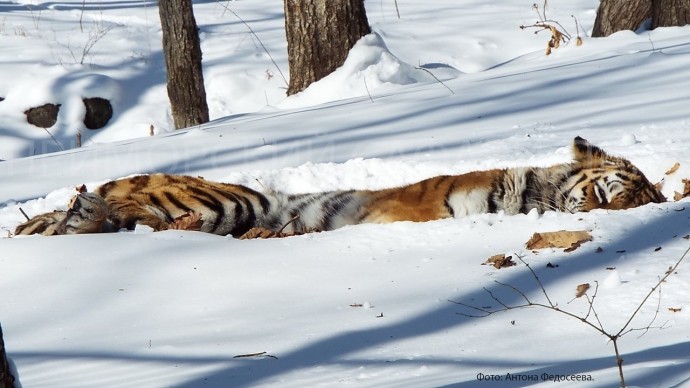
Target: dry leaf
(672,169)
(578,41)
(570,240)
(258,232)
(188,221)
(581,290)
(674,309)
(686,191)
(500,261)
(81,189)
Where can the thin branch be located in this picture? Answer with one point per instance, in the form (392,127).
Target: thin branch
(257,38)
(436,78)
(543,290)
(658,284)
(27,217)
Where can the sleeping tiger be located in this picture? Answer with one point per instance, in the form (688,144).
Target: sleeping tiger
(594,180)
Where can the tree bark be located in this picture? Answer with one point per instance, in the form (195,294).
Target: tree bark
(617,15)
(320,34)
(182,52)
(666,13)
(6,378)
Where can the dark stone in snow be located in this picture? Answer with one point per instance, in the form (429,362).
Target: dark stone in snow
(98,112)
(44,116)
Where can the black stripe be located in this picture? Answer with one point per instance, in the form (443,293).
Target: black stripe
(139,182)
(332,207)
(446,200)
(449,208)
(157,203)
(176,202)
(530,191)
(212,203)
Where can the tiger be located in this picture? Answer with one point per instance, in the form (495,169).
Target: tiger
(593,180)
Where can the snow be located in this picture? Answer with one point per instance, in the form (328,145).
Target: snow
(365,305)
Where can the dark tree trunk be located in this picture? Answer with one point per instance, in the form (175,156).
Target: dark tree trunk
(666,13)
(320,34)
(617,15)
(182,53)
(6,378)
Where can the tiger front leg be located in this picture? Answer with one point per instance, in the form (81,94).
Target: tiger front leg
(127,213)
(47,224)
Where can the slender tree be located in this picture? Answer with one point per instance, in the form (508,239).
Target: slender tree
(320,34)
(182,52)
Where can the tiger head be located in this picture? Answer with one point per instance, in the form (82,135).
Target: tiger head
(87,213)
(602,181)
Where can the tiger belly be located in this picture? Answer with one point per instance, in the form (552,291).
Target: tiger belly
(465,203)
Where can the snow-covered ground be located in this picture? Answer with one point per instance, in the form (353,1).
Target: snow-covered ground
(366,305)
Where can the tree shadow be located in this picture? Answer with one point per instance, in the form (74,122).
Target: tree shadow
(339,349)
(334,349)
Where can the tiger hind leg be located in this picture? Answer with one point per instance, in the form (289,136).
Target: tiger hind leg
(87,213)
(127,213)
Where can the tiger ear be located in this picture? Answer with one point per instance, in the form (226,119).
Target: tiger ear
(585,152)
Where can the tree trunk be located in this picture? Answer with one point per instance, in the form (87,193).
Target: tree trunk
(6,378)
(666,13)
(182,52)
(617,15)
(320,34)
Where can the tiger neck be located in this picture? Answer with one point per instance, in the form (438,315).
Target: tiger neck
(527,188)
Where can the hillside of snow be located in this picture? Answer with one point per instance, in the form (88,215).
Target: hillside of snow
(447,88)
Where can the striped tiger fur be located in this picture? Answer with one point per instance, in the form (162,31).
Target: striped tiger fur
(594,180)
(156,200)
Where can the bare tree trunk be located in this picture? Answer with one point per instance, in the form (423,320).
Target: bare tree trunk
(6,378)
(617,15)
(320,34)
(182,52)
(667,13)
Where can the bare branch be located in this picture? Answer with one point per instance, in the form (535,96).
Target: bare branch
(658,284)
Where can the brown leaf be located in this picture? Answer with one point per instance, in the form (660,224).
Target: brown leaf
(570,240)
(674,309)
(578,41)
(581,290)
(259,232)
(500,261)
(188,221)
(81,189)
(672,169)
(686,191)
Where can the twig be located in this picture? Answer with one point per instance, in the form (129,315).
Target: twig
(293,219)
(367,88)
(257,38)
(436,78)
(598,326)
(25,216)
(255,355)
